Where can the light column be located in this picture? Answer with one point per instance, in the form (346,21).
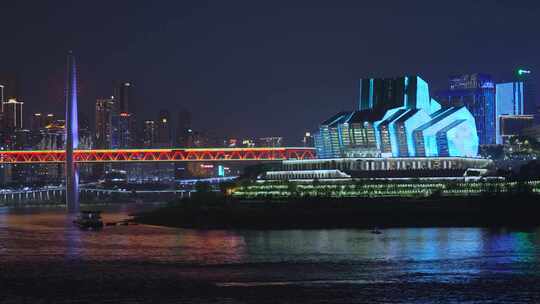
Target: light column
(72,137)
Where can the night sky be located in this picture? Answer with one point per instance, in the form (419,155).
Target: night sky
(256,68)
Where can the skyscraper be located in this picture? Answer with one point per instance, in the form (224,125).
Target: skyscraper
(37,122)
(149,133)
(13,114)
(105,109)
(163,130)
(49,119)
(308,140)
(123,131)
(509,101)
(123,96)
(184,133)
(123,121)
(529,91)
(477,93)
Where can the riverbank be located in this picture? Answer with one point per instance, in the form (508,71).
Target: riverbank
(225,213)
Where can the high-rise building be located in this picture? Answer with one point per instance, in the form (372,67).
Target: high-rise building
(163,130)
(49,119)
(123,131)
(529,91)
(13,114)
(123,96)
(105,110)
(477,93)
(38,122)
(124,122)
(149,133)
(308,140)
(52,137)
(184,133)
(509,101)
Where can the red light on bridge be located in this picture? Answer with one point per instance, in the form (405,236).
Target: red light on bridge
(158,155)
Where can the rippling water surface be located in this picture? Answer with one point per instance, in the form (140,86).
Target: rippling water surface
(44,258)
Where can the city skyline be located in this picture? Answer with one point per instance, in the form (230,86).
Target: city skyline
(119,107)
(267,61)
(304,151)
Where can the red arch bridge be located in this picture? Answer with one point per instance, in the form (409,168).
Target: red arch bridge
(157,155)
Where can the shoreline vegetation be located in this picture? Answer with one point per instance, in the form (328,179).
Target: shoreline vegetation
(516,206)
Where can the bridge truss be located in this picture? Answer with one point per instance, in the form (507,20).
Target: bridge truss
(157,155)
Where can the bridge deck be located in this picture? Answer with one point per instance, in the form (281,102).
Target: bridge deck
(158,155)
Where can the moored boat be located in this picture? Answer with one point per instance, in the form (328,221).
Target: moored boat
(89,220)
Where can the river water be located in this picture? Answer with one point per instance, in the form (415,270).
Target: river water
(45,259)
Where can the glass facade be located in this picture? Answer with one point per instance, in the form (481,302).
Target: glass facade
(477,93)
(411,124)
(509,101)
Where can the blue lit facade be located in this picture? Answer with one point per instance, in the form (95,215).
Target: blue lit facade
(509,100)
(449,132)
(477,93)
(410,124)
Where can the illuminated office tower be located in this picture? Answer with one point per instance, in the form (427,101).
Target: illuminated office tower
(123,134)
(13,114)
(509,102)
(477,93)
(149,133)
(124,123)
(523,76)
(515,102)
(105,110)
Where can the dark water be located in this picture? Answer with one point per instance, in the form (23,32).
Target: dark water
(45,259)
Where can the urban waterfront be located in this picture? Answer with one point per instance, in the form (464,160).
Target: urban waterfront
(45,258)
(269,152)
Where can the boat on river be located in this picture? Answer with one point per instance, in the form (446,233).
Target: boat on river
(89,220)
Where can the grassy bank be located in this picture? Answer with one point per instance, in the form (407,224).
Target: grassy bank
(215,212)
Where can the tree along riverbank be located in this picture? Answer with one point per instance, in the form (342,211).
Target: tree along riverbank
(222,212)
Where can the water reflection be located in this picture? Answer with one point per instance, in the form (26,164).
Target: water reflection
(428,253)
(73,238)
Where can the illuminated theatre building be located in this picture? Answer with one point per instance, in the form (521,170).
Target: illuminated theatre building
(398,131)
